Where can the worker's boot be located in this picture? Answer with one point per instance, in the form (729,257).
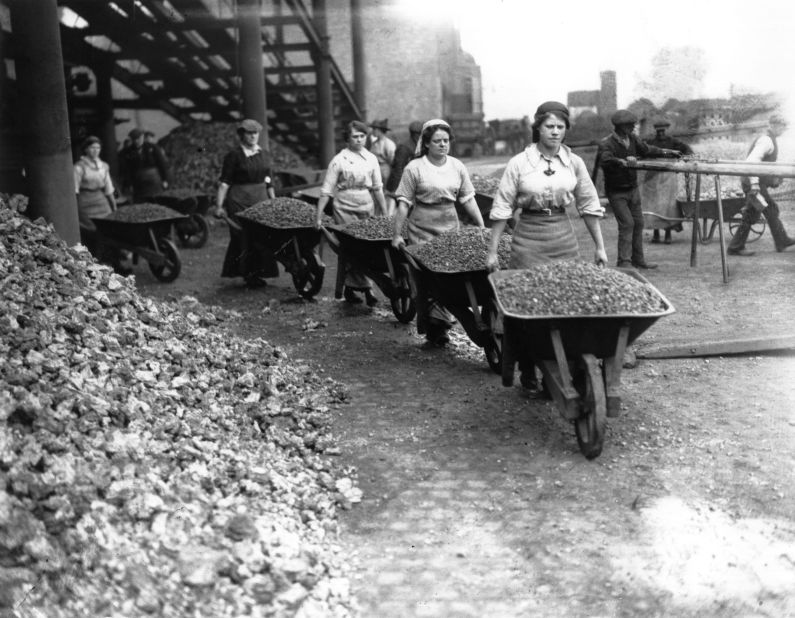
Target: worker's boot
(737,244)
(780,237)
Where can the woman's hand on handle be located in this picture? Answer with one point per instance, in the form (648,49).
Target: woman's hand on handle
(600,258)
(398,242)
(492,262)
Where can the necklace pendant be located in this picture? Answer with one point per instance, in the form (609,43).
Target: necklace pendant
(549,172)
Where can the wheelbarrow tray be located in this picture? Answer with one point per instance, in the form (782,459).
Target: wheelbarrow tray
(367,254)
(450,288)
(581,334)
(275,237)
(135,233)
(708,209)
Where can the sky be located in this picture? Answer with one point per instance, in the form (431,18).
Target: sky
(530,52)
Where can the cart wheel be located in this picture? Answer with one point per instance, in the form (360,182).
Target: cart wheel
(757,229)
(194,232)
(309,278)
(170,270)
(493,347)
(402,303)
(590,426)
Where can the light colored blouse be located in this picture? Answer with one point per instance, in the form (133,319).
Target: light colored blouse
(92,175)
(525,185)
(422,181)
(351,170)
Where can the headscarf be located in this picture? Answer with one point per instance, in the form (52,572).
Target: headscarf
(430,123)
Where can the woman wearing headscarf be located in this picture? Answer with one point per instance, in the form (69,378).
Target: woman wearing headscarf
(545,182)
(426,197)
(353,181)
(245,181)
(95,198)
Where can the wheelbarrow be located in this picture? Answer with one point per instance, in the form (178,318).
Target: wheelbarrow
(708,213)
(194,231)
(149,239)
(379,261)
(296,248)
(468,296)
(580,357)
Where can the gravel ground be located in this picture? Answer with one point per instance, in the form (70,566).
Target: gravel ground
(476,500)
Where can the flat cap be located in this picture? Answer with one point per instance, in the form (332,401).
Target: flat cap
(662,123)
(623,116)
(135,134)
(249,126)
(778,119)
(380,124)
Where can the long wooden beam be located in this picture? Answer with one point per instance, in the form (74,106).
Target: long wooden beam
(740,168)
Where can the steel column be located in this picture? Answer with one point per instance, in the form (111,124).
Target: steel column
(252,69)
(359,63)
(42,88)
(325,102)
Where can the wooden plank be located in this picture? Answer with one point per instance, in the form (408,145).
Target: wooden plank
(718,348)
(740,168)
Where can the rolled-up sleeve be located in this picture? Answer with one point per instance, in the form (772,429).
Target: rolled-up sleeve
(330,180)
(467,190)
(408,184)
(586,198)
(503,205)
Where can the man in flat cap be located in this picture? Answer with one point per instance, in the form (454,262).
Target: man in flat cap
(404,152)
(621,185)
(757,196)
(658,189)
(143,167)
(383,148)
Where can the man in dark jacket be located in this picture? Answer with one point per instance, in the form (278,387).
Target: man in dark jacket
(404,152)
(757,197)
(143,166)
(621,185)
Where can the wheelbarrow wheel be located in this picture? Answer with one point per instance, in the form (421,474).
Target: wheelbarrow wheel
(590,425)
(172,265)
(309,278)
(401,301)
(757,229)
(194,232)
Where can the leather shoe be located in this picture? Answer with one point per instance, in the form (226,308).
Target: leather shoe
(350,297)
(788,242)
(644,265)
(370,299)
(624,264)
(741,252)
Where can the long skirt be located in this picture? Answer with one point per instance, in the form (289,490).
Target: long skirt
(425,222)
(658,197)
(349,206)
(245,256)
(538,239)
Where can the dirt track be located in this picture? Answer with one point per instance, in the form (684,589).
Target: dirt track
(477,501)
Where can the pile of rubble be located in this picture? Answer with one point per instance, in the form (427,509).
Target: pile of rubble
(150,463)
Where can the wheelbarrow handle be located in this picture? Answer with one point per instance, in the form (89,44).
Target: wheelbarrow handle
(229,221)
(409,257)
(330,237)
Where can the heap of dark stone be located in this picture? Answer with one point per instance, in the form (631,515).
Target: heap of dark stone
(576,288)
(142,213)
(374,228)
(283,212)
(463,250)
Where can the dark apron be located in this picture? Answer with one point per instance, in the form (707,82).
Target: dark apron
(246,256)
(542,238)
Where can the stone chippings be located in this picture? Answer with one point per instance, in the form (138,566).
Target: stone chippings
(485,185)
(575,288)
(463,250)
(374,228)
(283,212)
(141,213)
(150,463)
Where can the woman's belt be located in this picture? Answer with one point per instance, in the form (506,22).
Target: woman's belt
(545,212)
(82,190)
(439,203)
